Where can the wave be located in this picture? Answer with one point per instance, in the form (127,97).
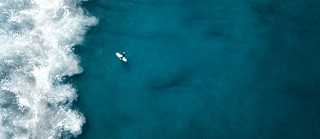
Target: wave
(36,53)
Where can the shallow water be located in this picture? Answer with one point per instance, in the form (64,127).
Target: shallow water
(200,69)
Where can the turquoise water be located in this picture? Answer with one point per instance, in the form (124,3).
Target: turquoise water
(200,69)
(197,69)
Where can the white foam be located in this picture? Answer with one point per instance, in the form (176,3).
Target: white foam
(36,40)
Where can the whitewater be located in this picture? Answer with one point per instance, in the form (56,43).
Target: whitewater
(36,53)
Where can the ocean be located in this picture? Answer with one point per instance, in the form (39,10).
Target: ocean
(199,69)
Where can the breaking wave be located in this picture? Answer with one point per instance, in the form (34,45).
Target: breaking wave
(36,52)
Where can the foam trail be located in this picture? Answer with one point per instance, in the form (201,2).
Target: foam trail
(36,40)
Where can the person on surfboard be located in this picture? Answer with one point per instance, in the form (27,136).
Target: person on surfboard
(121,56)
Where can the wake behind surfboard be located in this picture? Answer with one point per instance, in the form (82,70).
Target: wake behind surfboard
(123,58)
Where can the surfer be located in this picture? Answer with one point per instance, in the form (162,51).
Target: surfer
(122,56)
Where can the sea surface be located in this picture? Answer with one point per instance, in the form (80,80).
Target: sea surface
(196,69)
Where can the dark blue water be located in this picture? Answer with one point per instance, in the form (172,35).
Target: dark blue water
(201,69)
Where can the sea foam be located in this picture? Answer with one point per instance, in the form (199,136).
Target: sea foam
(36,40)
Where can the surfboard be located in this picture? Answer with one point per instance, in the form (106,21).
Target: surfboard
(119,55)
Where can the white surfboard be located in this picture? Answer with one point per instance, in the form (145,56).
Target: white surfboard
(119,55)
